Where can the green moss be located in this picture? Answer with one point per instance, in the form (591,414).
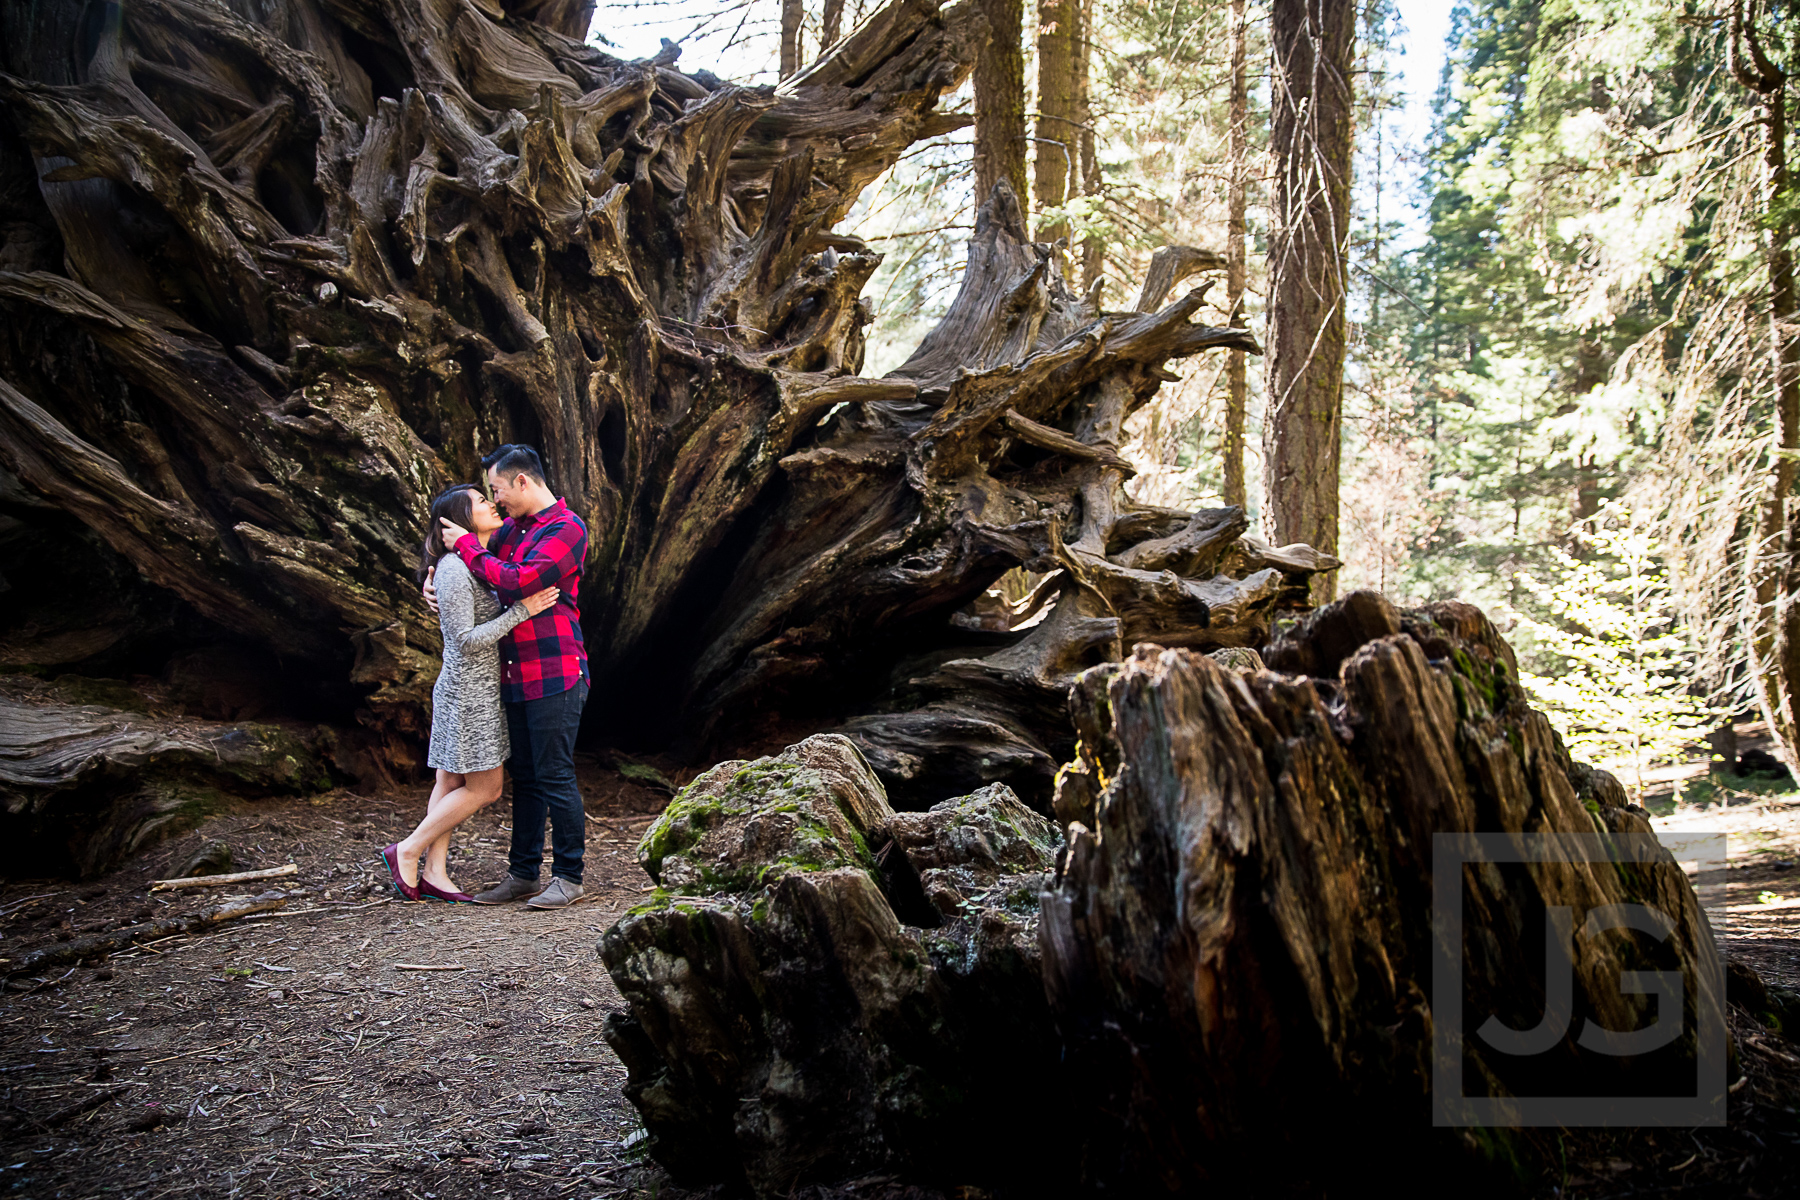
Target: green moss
(1022,900)
(645,774)
(659,901)
(1481,678)
(768,786)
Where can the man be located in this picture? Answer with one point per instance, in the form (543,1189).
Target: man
(543,672)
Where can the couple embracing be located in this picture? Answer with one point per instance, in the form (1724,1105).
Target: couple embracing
(513,683)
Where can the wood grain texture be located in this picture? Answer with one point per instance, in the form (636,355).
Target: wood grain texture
(1241,932)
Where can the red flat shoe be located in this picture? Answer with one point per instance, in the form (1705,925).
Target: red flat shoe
(430,891)
(391,856)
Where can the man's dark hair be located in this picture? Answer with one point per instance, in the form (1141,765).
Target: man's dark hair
(513,460)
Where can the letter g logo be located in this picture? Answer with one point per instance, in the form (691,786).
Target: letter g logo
(1559,1004)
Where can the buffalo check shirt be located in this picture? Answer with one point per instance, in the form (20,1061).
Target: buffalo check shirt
(544,656)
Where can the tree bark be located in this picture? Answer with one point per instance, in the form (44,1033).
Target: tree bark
(1774,585)
(1093,248)
(792,13)
(1056,173)
(831,23)
(860,985)
(255,326)
(82,786)
(1249,905)
(1000,101)
(1313,45)
(1237,382)
(1247,912)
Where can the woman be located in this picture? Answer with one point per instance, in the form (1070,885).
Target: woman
(468,727)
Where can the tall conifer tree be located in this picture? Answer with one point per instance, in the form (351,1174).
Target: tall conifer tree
(1313,45)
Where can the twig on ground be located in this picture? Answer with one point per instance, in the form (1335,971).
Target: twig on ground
(22,901)
(49,982)
(200,881)
(102,943)
(84,1105)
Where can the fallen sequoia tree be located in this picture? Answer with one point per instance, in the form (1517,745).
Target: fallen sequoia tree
(1222,978)
(274,273)
(83,785)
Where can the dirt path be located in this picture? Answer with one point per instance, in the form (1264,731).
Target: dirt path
(294,1055)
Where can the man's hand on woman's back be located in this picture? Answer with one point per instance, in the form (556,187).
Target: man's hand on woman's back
(429,591)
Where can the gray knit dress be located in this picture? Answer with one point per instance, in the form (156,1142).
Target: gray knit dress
(468,726)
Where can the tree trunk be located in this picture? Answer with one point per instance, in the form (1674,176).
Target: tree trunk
(1000,101)
(1056,163)
(1237,383)
(1774,592)
(272,285)
(831,22)
(1313,45)
(792,13)
(1093,249)
(82,786)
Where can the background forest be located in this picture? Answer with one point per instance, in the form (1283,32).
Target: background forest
(1568,295)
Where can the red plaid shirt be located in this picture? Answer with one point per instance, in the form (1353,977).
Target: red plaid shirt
(544,655)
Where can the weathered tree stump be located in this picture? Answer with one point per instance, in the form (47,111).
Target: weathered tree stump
(1239,944)
(1236,946)
(822,988)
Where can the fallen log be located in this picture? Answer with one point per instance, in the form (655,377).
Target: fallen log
(200,881)
(105,943)
(493,231)
(82,786)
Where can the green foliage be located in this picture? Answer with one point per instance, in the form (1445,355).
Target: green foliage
(1586,320)
(1610,665)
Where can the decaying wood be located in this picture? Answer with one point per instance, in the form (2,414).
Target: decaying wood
(272,281)
(1168,267)
(82,785)
(200,881)
(1244,915)
(822,988)
(97,944)
(1237,939)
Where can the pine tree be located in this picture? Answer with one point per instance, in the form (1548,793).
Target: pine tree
(1311,142)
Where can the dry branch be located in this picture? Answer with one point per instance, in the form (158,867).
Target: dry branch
(104,943)
(200,881)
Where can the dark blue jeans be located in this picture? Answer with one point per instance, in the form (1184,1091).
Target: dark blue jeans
(543,779)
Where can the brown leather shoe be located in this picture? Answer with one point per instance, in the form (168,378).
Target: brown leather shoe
(510,888)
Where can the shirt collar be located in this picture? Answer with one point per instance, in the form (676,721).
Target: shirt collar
(553,510)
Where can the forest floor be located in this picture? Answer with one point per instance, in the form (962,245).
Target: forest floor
(295,1053)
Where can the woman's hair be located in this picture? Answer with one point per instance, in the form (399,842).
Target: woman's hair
(456,502)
